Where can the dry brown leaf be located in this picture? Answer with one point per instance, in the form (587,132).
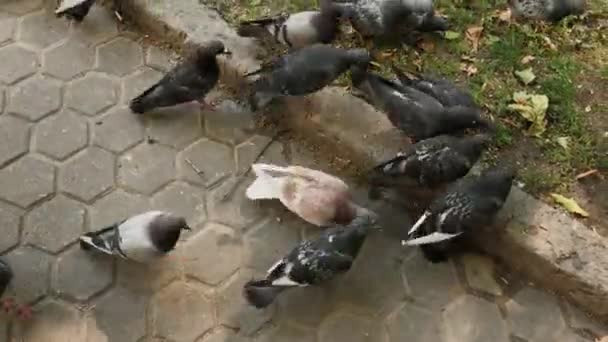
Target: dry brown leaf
(473,35)
(426,45)
(527,59)
(468,69)
(549,43)
(602,339)
(505,15)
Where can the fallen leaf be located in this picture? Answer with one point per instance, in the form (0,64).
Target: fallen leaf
(492,39)
(533,108)
(451,35)
(527,59)
(564,142)
(550,43)
(468,69)
(473,35)
(569,204)
(526,76)
(505,15)
(587,109)
(426,45)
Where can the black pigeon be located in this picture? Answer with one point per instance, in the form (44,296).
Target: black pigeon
(441,89)
(432,162)
(419,115)
(550,10)
(469,204)
(143,238)
(74,9)
(303,72)
(188,81)
(312,262)
(295,30)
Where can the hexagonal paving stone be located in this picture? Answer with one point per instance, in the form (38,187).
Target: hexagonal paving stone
(14,138)
(146,168)
(116,206)
(307,306)
(233,309)
(146,278)
(529,304)
(221,335)
(69,59)
(479,271)
(10,217)
(121,315)
(411,321)
(8,25)
(473,319)
(61,135)
(41,29)
(120,56)
(30,282)
(184,200)
(344,326)
(182,312)
(215,160)
(380,258)
(160,59)
(17,63)
(27,181)
(118,130)
(100,26)
(419,273)
(35,97)
(248,151)
(54,224)
(54,321)
(88,174)
(2,99)
(578,319)
(80,274)
(201,251)
(285,332)
(20,6)
(177,130)
(231,124)
(136,83)
(269,242)
(92,94)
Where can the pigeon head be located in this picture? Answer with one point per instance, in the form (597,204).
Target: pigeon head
(461,117)
(434,23)
(366,220)
(212,48)
(165,231)
(360,57)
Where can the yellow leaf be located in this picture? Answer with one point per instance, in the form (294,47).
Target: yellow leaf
(533,108)
(451,35)
(569,204)
(473,35)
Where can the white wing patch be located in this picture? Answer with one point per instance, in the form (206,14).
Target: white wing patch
(67,4)
(419,223)
(431,238)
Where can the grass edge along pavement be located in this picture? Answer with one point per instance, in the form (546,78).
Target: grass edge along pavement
(544,243)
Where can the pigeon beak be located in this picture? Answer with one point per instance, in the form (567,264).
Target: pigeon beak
(227,52)
(187,228)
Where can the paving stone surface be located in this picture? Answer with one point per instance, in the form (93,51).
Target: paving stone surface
(74,159)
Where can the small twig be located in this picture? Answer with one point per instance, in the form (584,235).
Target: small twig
(586,174)
(198,171)
(118,16)
(241,176)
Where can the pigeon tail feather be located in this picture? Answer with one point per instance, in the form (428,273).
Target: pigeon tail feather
(265,186)
(141,104)
(99,240)
(419,223)
(260,293)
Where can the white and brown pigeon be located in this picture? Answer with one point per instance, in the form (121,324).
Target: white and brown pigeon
(75,10)
(142,238)
(467,205)
(188,81)
(315,196)
(313,262)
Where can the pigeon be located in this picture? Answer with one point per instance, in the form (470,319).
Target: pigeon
(417,114)
(316,197)
(468,204)
(75,10)
(303,72)
(441,89)
(432,162)
(296,30)
(188,81)
(550,10)
(142,238)
(8,304)
(313,262)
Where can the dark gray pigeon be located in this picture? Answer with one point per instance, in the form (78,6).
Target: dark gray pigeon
(303,72)
(440,88)
(431,162)
(295,30)
(142,238)
(468,204)
(187,82)
(75,10)
(312,262)
(550,10)
(417,114)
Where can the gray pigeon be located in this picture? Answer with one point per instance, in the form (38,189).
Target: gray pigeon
(188,81)
(440,88)
(550,10)
(74,9)
(312,262)
(431,162)
(295,30)
(417,114)
(303,72)
(142,238)
(467,205)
